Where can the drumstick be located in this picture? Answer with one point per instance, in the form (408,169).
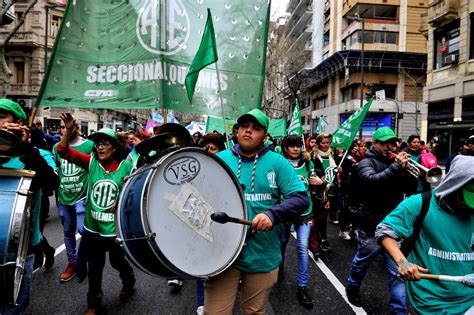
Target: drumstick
(466,280)
(222,217)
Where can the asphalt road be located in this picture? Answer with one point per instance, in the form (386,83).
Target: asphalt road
(153,296)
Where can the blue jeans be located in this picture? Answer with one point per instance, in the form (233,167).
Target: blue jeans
(302,242)
(72,217)
(24,294)
(368,249)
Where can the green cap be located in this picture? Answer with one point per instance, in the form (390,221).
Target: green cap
(384,134)
(107,132)
(14,108)
(468,193)
(255,115)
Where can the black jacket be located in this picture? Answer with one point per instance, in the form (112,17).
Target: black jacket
(381,184)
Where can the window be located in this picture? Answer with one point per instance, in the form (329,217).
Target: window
(471,49)
(320,102)
(18,18)
(370,37)
(346,94)
(54,26)
(446,47)
(19,72)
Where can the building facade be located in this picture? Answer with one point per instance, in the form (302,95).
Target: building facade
(375,42)
(448,109)
(27,54)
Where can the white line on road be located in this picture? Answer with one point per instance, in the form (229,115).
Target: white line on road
(334,281)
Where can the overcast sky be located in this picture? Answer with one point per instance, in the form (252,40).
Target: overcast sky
(277,8)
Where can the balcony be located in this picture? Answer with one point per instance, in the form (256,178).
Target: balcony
(442,11)
(24,39)
(20,89)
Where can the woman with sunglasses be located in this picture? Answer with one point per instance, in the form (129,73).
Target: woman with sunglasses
(107,167)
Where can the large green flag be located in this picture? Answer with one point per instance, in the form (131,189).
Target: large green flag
(296,126)
(206,54)
(321,124)
(136,54)
(345,134)
(216,123)
(277,128)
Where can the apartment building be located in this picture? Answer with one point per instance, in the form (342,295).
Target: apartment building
(448,109)
(27,55)
(375,42)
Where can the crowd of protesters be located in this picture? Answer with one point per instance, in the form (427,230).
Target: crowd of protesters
(315,184)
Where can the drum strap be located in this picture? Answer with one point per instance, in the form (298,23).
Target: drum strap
(253,171)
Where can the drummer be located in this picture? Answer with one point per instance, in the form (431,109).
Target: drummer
(266,177)
(107,167)
(12,117)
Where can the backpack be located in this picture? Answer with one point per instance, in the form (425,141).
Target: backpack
(428,160)
(409,242)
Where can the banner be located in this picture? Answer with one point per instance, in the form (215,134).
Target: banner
(215,123)
(345,134)
(136,54)
(277,128)
(295,125)
(321,124)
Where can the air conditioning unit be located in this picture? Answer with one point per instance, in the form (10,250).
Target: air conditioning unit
(25,102)
(450,59)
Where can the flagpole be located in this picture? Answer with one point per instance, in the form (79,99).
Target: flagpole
(222,102)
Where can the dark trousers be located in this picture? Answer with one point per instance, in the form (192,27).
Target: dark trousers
(319,227)
(95,248)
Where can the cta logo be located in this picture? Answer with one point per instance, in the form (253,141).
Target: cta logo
(104,194)
(163,26)
(182,170)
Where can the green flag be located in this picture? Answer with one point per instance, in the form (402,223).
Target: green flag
(345,134)
(136,54)
(295,125)
(206,54)
(277,128)
(321,124)
(215,123)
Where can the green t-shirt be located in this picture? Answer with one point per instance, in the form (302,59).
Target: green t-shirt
(102,194)
(274,177)
(72,178)
(304,173)
(444,247)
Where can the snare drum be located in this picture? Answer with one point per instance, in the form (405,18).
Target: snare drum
(14,229)
(163,220)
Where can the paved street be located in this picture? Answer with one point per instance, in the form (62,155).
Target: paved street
(153,296)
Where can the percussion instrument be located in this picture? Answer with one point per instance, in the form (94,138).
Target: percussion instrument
(14,229)
(163,216)
(11,145)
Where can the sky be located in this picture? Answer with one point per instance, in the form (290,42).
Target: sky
(277,8)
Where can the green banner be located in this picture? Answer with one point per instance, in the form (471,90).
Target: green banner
(215,123)
(277,128)
(295,125)
(321,124)
(136,54)
(345,134)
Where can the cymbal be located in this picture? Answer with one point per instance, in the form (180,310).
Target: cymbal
(167,135)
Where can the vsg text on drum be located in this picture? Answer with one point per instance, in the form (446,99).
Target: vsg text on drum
(182,170)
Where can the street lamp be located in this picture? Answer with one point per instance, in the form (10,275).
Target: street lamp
(46,30)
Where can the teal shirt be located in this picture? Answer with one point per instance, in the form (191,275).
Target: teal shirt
(304,173)
(274,177)
(444,247)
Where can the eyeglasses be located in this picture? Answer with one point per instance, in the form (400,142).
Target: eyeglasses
(103,144)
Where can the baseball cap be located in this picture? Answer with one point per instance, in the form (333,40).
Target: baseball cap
(468,194)
(255,115)
(107,132)
(384,134)
(14,108)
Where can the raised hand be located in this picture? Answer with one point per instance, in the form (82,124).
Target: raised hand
(69,121)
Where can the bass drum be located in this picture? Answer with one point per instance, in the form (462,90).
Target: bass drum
(163,220)
(14,230)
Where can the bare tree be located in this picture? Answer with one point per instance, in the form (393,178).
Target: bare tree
(5,71)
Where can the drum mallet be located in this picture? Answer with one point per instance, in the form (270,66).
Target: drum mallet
(467,280)
(222,217)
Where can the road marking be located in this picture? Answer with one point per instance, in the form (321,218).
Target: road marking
(60,249)
(334,281)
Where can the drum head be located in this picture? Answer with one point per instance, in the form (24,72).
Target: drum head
(189,185)
(10,144)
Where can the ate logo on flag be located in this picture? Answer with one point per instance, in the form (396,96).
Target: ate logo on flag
(163,27)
